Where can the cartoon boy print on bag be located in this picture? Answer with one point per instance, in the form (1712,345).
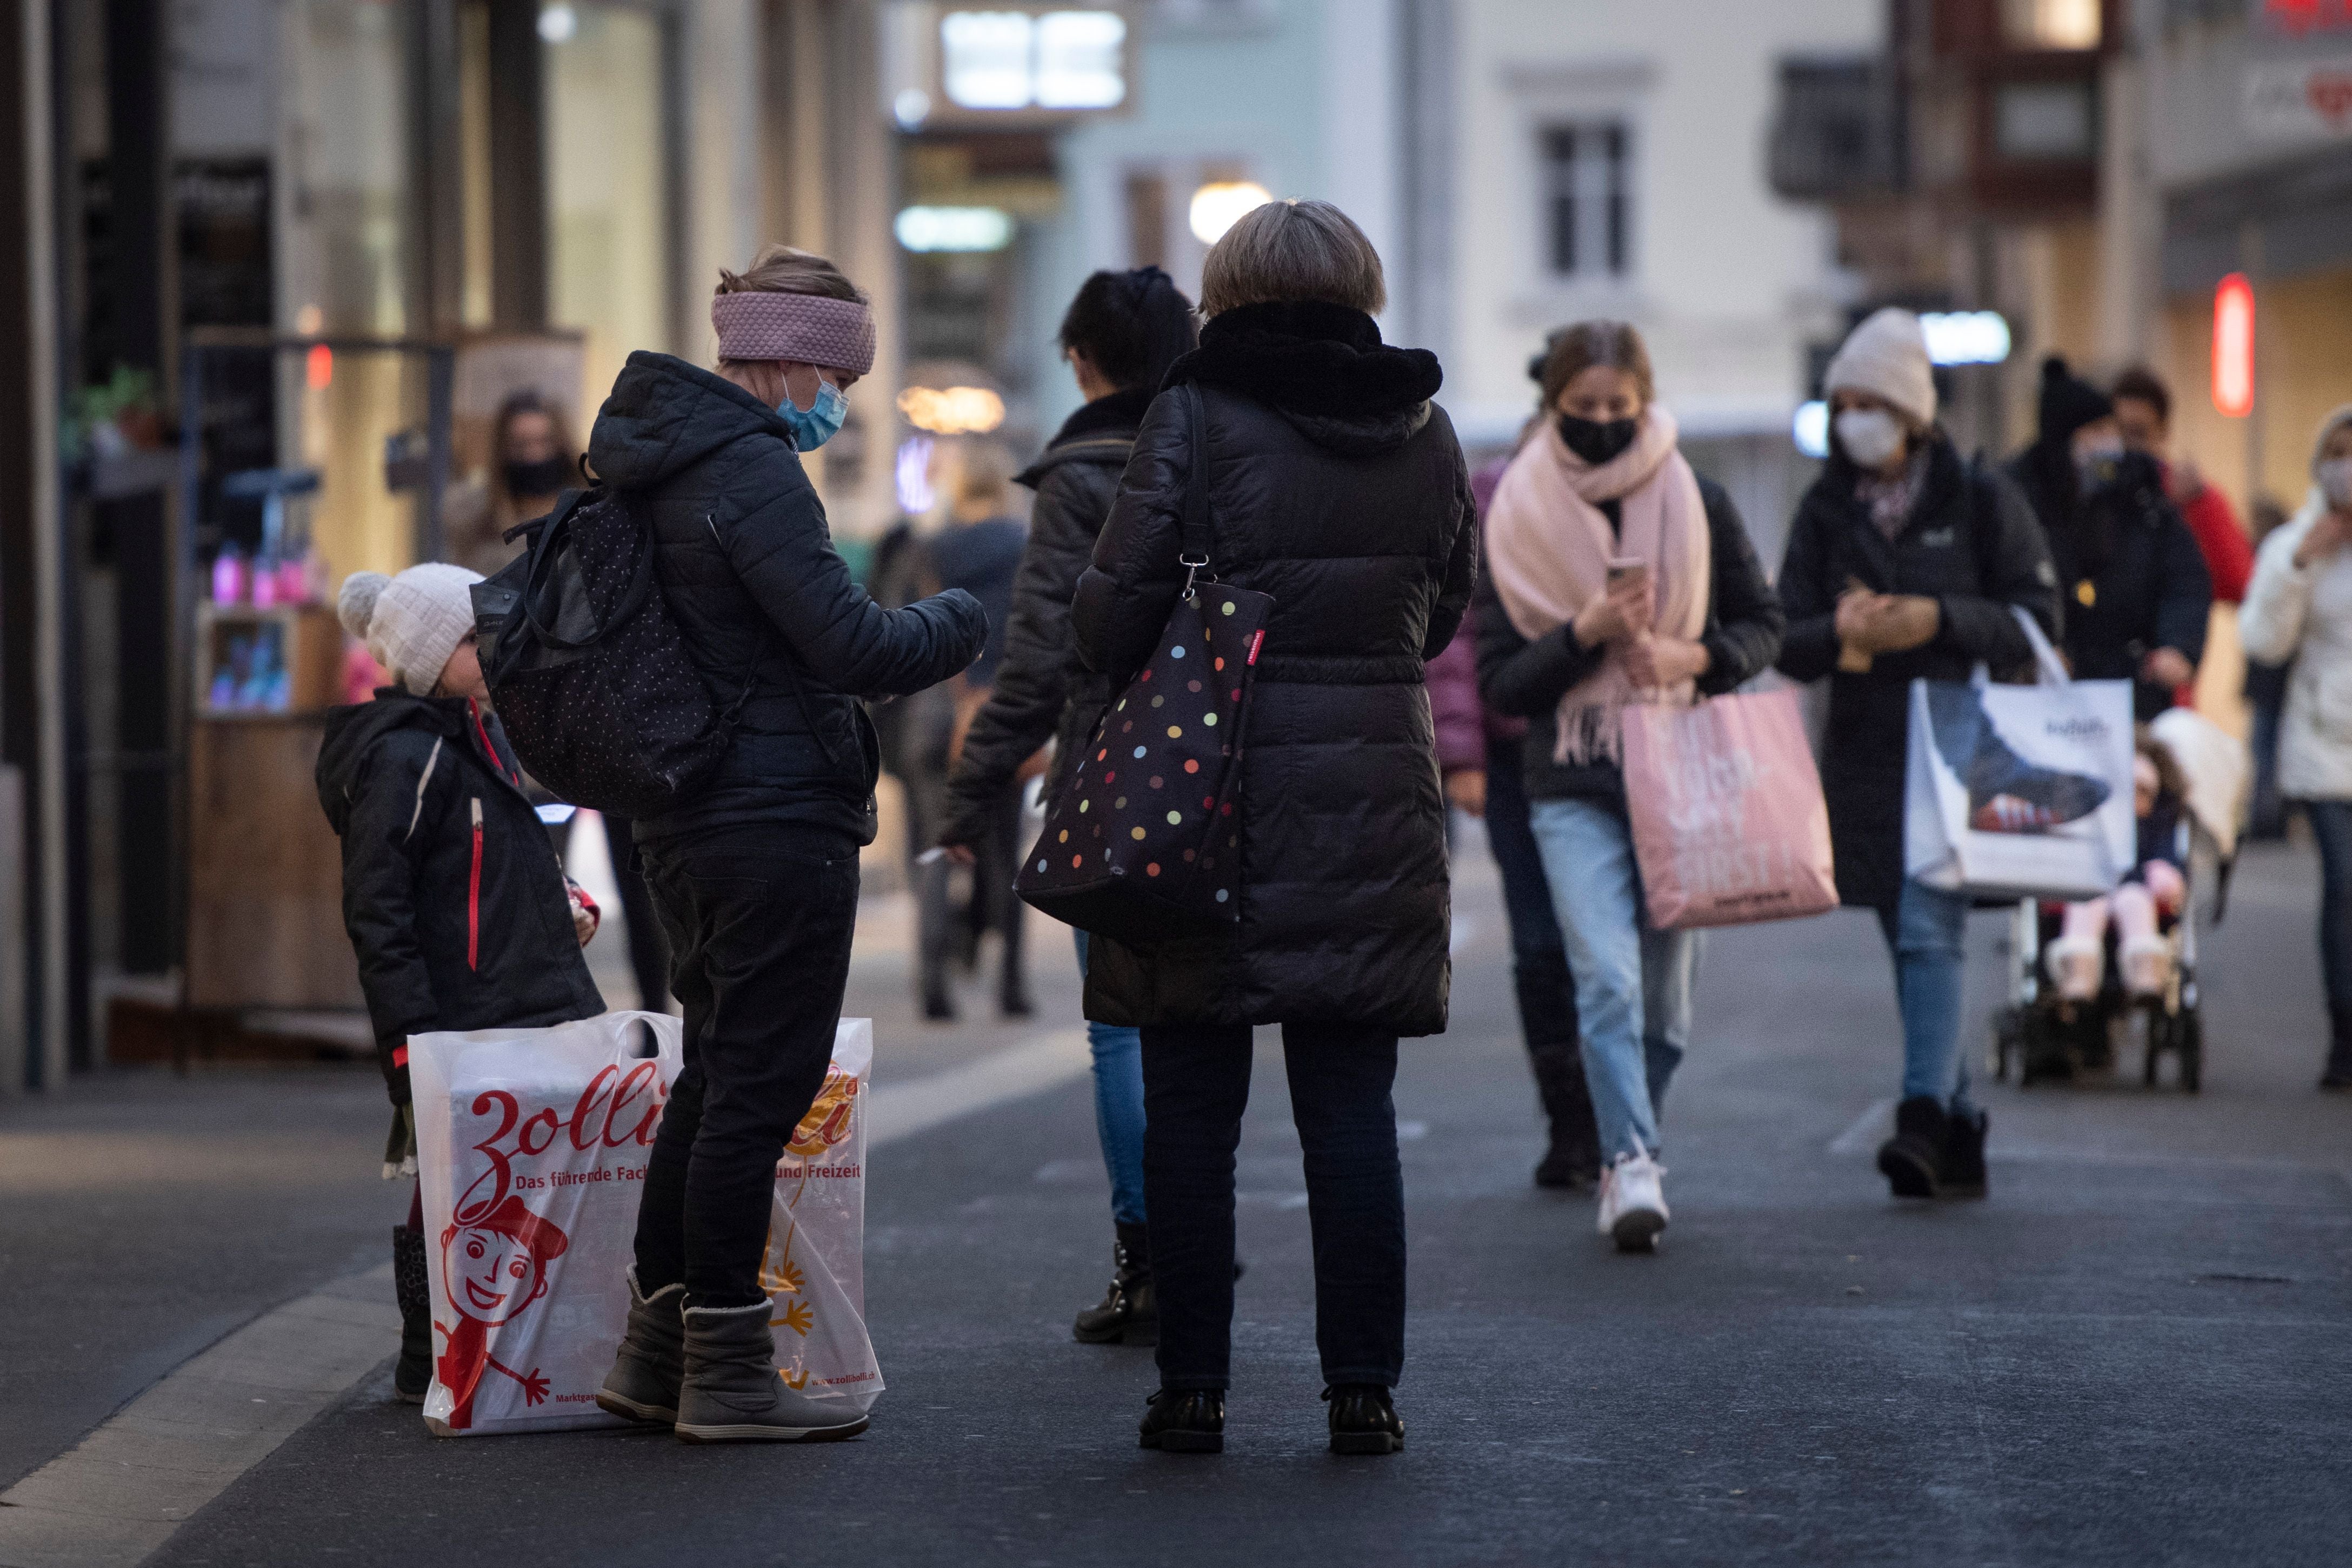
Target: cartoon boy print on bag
(824,1128)
(493,1267)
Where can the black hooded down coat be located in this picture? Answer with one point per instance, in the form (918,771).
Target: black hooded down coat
(2129,571)
(1043,691)
(748,566)
(452,892)
(1336,487)
(1972,545)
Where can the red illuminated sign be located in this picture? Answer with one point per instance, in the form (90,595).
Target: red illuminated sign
(2233,347)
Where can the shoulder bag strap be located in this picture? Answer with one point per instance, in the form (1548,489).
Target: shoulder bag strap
(1197,533)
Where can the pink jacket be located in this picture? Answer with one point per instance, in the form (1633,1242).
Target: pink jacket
(1464,725)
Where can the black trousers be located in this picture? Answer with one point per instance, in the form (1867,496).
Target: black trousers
(759,925)
(1195,1087)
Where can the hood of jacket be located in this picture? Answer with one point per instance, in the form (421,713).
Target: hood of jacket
(1092,433)
(352,733)
(1322,367)
(664,414)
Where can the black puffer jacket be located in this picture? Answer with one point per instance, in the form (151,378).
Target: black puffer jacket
(452,892)
(1972,545)
(2129,570)
(1339,489)
(750,570)
(1526,679)
(1043,691)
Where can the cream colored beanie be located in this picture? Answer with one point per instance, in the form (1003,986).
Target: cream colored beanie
(412,623)
(1887,355)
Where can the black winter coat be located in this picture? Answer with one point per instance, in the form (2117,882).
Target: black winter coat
(2129,570)
(452,892)
(1043,691)
(1526,679)
(1336,487)
(748,565)
(1972,545)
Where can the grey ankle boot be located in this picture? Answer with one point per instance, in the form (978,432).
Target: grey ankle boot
(732,1393)
(643,1383)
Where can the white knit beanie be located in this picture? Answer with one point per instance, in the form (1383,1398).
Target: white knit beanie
(412,623)
(1887,355)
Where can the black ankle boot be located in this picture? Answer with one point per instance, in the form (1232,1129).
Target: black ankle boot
(1547,996)
(412,1374)
(1128,1313)
(1363,1421)
(2338,1074)
(1961,1173)
(1912,1159)
(1185,1421)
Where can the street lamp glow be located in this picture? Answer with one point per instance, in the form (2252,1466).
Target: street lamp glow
(954,228)
(558,24)
(1221,204)
(1965,336)
(952,411)
(1810,429)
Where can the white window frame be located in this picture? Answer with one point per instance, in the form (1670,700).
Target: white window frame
(1546,97)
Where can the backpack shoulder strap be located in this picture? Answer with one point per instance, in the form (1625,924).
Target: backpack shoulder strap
(1198,530)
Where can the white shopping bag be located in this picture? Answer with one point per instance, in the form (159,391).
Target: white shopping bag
(2021,792)
(531,1146)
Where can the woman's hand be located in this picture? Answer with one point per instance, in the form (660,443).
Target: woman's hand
(1857,609)
(1907,621)
(962,854)
(2330,534)
(1654,662)
(1622,612)
(2167,667)
(1467,788)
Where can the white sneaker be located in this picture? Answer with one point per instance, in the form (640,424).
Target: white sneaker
(1633,1202)
(2077,968)
(2147,964)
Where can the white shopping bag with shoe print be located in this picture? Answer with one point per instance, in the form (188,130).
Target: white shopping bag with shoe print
(532,1146)
(2020,791)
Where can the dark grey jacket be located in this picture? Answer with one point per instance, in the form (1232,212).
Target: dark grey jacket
(1337,488)
(748,565)
(1972,545)
(1043,691)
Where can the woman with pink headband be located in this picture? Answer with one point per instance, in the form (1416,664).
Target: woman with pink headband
(756,877)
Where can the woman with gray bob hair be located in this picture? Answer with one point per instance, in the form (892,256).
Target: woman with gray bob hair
(1336,487)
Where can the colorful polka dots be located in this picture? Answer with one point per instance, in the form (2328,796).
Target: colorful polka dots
(1176,731)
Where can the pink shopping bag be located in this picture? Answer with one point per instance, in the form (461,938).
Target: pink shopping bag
(1728,821)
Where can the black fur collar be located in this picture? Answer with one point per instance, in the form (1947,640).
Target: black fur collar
(1121,411)
(1304,357)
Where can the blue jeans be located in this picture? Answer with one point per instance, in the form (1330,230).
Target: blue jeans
(2331,825)
(1633,984)
(1118,1108)
(1927,931)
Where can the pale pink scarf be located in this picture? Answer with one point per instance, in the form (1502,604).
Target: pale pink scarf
(1549,546)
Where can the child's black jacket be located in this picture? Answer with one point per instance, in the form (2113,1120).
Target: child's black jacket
(452,892)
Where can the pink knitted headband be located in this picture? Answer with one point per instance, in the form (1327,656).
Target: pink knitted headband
(837,334)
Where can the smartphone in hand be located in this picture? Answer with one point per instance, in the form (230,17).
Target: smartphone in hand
(1625,566)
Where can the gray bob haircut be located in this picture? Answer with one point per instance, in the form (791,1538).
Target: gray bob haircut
(1289,250)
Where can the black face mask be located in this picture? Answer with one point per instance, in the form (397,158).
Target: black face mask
(1597,440)
(544,477)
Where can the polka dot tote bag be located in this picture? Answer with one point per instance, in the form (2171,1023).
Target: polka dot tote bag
(1143,840)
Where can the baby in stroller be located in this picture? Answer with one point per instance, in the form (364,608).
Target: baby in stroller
(2152,895)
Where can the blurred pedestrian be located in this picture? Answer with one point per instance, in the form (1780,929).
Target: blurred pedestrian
(1120,336)
(1615,575)
(2144,419)
(1483,755)
(456,904)
(532,462)
(2267,704)
(2300,609)
(1336,486)
(2134,583)
(755,877)
(977,552)
(1906,562)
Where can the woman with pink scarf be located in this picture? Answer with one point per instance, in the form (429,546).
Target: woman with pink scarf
(1615,575)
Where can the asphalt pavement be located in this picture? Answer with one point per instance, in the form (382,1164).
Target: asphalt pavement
(2132,1353)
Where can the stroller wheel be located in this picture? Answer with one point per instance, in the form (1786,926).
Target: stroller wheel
(2159,1040)
(2190,1043)
(2006,1027)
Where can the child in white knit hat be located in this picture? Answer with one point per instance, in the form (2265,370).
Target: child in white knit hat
(455,903)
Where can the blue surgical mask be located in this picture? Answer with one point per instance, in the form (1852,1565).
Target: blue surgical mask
(812,427)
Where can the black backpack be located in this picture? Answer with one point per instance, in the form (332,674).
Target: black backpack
(586,666)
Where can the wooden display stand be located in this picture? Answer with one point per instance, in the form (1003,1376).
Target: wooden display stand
(265,870)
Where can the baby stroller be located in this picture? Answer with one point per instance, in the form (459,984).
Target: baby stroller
(2041,1035)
